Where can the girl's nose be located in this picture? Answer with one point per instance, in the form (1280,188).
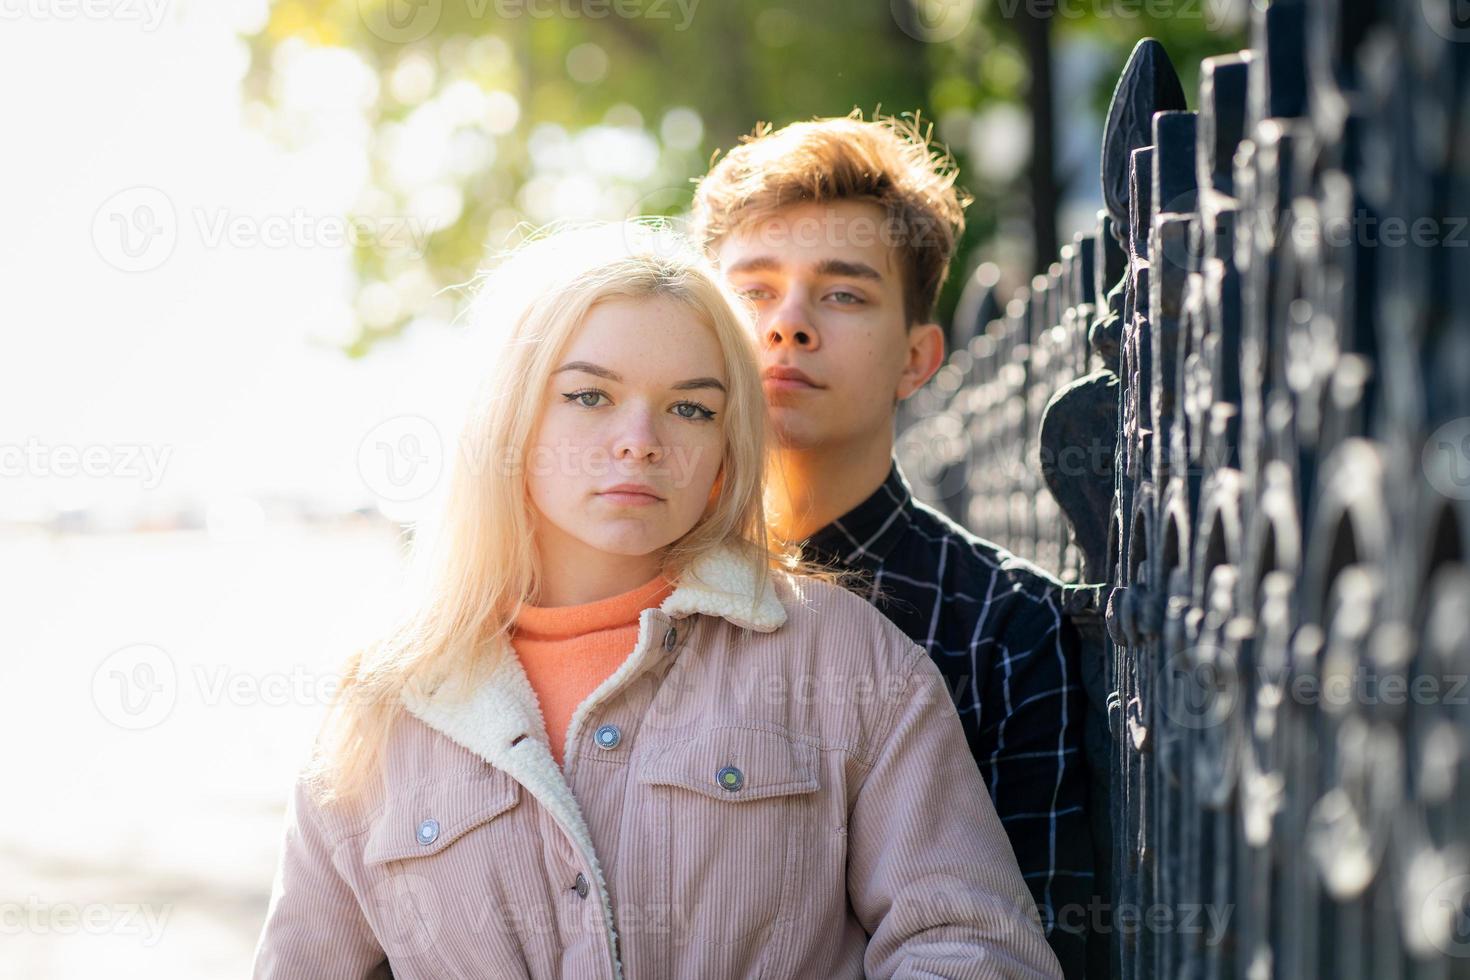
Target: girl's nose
(638,436)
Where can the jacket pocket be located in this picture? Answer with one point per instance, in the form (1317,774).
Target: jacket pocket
(422,820)
(733,811)
(432,854)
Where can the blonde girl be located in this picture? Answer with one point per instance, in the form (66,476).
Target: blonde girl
(618,732)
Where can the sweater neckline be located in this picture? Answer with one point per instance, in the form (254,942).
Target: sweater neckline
(561,622)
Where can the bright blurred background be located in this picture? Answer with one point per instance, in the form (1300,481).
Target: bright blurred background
(235,236)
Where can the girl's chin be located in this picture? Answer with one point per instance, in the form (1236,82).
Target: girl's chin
(633,546)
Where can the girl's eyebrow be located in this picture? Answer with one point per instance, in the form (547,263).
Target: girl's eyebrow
(587,367)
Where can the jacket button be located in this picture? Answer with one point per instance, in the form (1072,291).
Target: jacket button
(581,885)
(671,638)
(608,736)
(428,832)
(730,778)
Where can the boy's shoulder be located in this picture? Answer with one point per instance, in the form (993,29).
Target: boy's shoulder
(968,558)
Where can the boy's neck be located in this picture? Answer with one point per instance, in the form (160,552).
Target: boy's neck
(811,488)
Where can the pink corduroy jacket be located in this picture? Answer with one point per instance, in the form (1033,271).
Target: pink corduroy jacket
(774,784)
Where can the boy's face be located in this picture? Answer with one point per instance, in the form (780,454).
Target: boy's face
(828,293)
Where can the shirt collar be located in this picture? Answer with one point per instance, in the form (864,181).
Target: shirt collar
(868,532)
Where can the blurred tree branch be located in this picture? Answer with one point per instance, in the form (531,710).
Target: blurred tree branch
(490,113)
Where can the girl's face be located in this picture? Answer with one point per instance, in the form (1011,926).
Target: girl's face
(630,441)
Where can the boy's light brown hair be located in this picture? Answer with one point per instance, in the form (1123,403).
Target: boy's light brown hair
(888,161)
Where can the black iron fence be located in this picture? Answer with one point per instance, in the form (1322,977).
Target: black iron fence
(1235,420)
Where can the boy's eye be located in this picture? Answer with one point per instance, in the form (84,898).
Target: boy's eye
(756,294)
(845,297)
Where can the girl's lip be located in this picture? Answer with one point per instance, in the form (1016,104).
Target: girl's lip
(630,497)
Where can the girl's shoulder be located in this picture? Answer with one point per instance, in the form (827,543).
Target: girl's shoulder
(840,622)
(412,753)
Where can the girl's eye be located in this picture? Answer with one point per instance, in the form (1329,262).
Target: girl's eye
(580,397)
(587,398)
(699,411)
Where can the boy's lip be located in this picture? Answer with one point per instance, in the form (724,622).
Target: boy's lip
(782,376)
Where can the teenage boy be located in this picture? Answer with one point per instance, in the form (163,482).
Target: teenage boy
(840,232)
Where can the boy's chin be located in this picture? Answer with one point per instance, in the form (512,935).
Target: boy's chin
(798,433)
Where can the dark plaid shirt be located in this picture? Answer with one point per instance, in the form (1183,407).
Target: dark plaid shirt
(993,624)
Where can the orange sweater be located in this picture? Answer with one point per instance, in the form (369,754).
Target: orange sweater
(567,651)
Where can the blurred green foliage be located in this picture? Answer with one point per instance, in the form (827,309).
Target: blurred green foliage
(481,115)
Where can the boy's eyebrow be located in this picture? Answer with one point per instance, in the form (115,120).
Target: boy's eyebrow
(756,263)
(826,267)
(852,270)
(587,367)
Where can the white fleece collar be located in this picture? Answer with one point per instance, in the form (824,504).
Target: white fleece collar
(489,719)
(723,583)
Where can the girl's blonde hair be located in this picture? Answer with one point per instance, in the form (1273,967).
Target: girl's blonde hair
(475,564)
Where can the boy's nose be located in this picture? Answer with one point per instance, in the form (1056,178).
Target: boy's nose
(789,324)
